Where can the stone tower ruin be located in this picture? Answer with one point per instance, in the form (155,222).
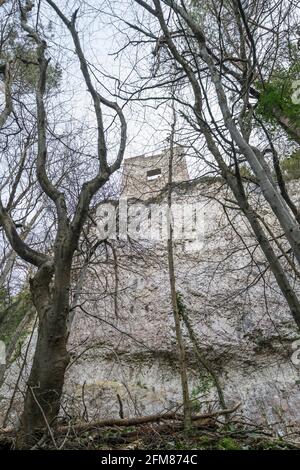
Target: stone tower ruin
(144,177)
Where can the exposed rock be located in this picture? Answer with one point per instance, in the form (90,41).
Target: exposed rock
(122,340)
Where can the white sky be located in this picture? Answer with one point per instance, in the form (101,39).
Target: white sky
(147,128)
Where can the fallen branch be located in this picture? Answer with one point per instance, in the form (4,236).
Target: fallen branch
(82,427)
(107,422)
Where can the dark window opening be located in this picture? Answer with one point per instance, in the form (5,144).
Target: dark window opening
(153,174)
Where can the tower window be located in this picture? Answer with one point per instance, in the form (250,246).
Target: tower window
(153,174)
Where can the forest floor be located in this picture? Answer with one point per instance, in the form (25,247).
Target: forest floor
(163,436)
(167,437)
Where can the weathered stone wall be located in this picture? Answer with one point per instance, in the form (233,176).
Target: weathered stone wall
(242,323)
(123,340)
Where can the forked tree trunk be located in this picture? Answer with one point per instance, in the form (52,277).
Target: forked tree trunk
(45,384)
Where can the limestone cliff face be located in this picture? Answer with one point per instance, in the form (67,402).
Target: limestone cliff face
(122,339)
(125,330)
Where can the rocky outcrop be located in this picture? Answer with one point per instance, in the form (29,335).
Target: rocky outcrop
(122,343)
(242,324)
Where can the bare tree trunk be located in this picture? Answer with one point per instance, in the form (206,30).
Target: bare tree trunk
(8,265)
(180,343)
(45,384)
(277,269)
(203,361)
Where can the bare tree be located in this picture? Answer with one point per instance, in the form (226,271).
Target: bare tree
(221,69)
(50,285)
(172,277)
